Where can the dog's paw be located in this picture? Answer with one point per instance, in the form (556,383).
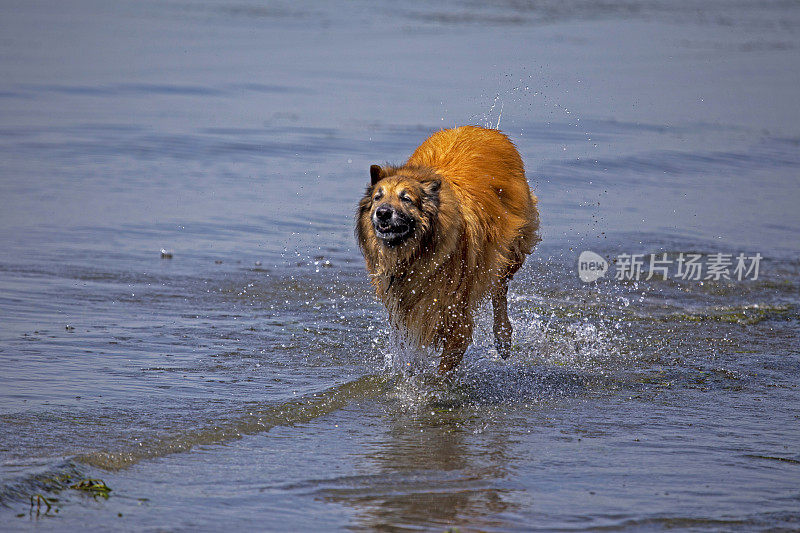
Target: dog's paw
(504,349)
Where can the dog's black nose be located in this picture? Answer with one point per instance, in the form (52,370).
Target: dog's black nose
(383,213)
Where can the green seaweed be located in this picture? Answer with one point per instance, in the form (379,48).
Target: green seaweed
(53,485)
(747,315)
(38,500)
(96,487)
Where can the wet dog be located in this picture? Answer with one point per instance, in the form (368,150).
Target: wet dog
(444,231)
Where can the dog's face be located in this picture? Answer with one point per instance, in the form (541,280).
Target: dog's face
(395,210)
(400,208)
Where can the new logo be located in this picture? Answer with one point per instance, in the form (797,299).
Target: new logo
(591,266)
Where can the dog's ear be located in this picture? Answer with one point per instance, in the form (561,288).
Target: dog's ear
(376,173)
(431,188)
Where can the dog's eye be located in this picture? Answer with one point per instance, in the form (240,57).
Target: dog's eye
(378,196)
(406,198)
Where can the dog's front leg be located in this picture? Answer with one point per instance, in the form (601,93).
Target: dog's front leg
(455,345)
(451,358)
(502,325)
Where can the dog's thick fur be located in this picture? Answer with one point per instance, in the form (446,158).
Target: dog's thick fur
(455,223)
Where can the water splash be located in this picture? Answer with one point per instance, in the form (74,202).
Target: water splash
(401,354)
(551,359)
(488,121)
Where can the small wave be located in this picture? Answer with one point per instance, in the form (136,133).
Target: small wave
(747,315)
(488,382)
(254,421)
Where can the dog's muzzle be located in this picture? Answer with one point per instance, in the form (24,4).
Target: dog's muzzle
(391,225)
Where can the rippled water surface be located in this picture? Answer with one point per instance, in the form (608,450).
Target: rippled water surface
(250,380)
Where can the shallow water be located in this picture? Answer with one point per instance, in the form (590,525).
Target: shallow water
(250,381)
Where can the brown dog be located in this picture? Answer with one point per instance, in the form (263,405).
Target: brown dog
(445,230)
